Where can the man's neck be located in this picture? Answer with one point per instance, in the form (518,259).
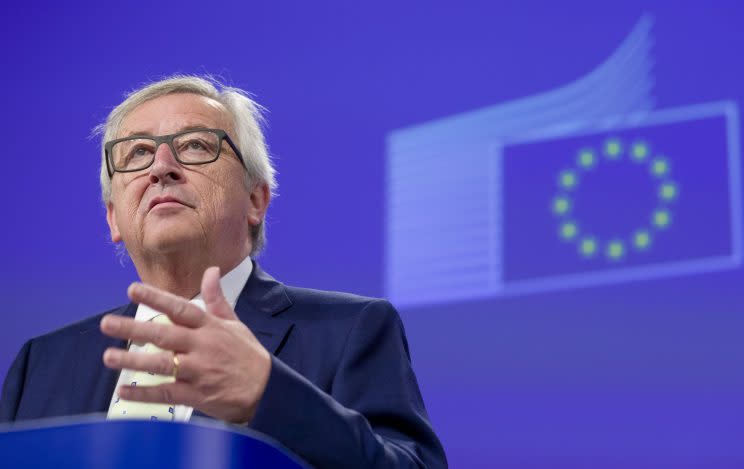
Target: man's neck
(181,273)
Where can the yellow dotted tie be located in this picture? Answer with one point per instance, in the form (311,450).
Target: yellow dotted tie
(123,409)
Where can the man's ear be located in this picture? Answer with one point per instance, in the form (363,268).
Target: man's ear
(111,220)
(260,198)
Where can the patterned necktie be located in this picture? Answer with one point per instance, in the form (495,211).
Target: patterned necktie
(123,409)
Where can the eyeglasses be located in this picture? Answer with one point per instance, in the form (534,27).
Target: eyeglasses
(190,147)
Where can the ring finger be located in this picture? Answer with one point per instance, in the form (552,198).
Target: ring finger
(161,363)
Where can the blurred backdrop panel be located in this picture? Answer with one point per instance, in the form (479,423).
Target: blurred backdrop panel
(550,194)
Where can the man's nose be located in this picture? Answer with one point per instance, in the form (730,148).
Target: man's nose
(165,168)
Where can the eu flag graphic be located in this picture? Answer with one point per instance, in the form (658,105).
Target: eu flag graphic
(655,194)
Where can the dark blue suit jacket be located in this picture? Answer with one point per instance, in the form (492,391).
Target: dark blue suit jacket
(341,392)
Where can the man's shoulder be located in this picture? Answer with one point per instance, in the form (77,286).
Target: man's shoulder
(76,328)
(310,303)
(310,295)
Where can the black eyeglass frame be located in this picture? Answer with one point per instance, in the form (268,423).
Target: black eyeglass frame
(159,140)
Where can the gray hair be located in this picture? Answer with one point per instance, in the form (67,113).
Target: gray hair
(247,120)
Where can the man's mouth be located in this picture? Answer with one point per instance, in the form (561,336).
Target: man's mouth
(166,201)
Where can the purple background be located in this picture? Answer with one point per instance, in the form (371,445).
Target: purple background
(643,373)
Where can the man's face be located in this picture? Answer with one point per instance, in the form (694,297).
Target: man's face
(169,206)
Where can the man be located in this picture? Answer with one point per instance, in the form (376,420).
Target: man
(186,181)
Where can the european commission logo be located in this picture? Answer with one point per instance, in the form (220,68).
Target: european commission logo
(607,190)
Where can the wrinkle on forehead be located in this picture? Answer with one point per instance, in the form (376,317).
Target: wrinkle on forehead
(174,112)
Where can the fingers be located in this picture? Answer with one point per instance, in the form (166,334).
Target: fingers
(178,309)
(170,393)
(214,299)
(165,336)
(160,363)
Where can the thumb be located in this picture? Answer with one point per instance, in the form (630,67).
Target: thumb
(214,299)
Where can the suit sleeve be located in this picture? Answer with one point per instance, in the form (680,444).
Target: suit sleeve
(374,416)
(13,387)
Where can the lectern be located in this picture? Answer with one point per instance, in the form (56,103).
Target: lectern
(92,442)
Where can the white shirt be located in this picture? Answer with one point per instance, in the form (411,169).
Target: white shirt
(232,284)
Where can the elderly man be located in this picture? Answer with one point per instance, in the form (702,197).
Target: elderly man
(186,181)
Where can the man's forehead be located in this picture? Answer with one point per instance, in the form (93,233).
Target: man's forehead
(174,112)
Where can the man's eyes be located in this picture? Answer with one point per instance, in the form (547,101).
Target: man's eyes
(139,151)
(195,145)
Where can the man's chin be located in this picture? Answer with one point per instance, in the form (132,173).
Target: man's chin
(170,240)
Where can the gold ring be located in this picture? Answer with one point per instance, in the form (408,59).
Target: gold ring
(176,364)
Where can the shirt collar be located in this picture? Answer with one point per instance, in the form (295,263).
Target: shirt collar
(232,284)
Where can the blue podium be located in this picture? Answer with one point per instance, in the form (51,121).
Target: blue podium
(92,442)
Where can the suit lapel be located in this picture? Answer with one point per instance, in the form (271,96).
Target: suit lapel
(258,307)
